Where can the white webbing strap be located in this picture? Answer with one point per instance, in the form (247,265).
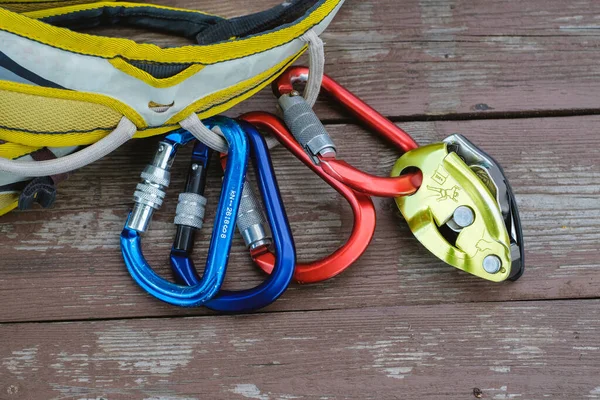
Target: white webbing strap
(122,133)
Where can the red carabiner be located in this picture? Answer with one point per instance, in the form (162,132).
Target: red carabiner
(362,207)
(406,184)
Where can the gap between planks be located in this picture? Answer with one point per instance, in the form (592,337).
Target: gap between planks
(492,115)
(266,311)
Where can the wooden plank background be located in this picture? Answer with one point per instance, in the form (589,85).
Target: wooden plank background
(518,78)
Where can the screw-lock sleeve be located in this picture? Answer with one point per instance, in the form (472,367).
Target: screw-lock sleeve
(251,220)
(304,124)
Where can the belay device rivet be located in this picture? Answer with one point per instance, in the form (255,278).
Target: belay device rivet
(492,264)
(463,217)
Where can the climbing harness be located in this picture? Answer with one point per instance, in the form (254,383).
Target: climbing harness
(250,223)
(63,88)
(313,137)
(456,198)
(149,196)
(361,204)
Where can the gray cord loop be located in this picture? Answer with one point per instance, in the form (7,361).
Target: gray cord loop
(7,179)
(212,139)
(316,66)
(122,133)
(190,210)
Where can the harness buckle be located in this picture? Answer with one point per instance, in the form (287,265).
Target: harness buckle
(464,212)
(41,190)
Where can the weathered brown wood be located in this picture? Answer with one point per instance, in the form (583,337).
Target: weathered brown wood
(399,323)
(528,350)
(454,56)
(65,263)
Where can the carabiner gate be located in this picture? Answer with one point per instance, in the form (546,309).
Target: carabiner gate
(250,224)
(313,137)
(149,196)
(362,208)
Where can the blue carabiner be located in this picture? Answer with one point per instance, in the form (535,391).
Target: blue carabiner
(149,196)
(266,293)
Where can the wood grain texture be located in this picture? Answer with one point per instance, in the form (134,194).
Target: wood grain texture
(65,263)
(439,57)
(526,350)
(398,324)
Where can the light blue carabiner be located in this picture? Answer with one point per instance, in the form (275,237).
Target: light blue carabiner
(149,197)
(274,286)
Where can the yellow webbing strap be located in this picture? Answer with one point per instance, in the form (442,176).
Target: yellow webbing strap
(8,202)
(14,150)
(34,5)
(57,120)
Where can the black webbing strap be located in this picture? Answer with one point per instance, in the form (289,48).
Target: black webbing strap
(202,28)
(252,24)
(181,23)
(41,190)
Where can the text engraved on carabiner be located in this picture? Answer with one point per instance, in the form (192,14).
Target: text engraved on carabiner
(228,214)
